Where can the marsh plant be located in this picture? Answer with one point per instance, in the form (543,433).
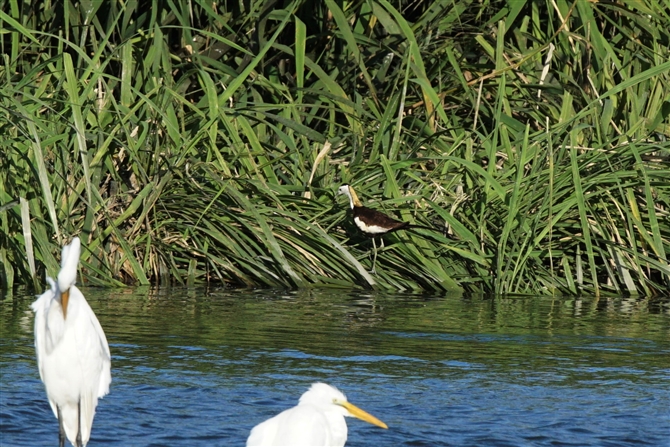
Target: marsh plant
(191,142)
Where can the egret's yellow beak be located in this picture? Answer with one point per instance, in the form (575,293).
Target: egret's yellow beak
(362,415)
(64,298)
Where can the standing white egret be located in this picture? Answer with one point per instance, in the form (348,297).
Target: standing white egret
(72,351)
(317,420)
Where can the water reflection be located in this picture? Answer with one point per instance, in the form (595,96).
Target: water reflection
(202,367)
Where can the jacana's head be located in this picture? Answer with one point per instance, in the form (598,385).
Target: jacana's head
(348,191)
(344,189)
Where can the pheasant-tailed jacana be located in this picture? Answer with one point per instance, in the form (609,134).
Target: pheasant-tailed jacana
(371,222)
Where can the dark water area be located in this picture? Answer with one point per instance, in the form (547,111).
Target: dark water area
(202,367)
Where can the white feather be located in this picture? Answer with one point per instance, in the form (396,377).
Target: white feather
(317,420)
(72,353)
(370,229)
(69,262)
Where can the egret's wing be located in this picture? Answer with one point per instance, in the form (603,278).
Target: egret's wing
(88,403)
(305,425)
(302,425)
(264,433)
(106,373)
(41,307)
(99,335)
(94,360)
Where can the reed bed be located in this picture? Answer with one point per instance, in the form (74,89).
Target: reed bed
(197,142)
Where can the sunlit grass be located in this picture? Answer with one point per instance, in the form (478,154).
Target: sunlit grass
(193,144)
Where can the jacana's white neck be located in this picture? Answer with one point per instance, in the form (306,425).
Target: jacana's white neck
(351,199)
(345,189)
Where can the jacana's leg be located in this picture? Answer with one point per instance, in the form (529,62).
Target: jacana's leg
(61,429)
(79,443)
(374,259)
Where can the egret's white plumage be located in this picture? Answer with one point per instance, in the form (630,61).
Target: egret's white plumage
(72,351)
(317,420)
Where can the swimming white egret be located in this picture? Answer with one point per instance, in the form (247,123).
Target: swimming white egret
(317,420)
(72,351)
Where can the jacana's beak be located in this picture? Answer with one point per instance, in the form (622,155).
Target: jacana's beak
(362,415)
(64,298)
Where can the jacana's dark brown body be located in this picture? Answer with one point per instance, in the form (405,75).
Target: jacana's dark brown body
(374,219)
(373,223)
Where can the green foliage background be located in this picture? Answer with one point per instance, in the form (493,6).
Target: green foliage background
(204,141)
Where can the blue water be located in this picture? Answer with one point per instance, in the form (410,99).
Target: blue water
(201,368)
